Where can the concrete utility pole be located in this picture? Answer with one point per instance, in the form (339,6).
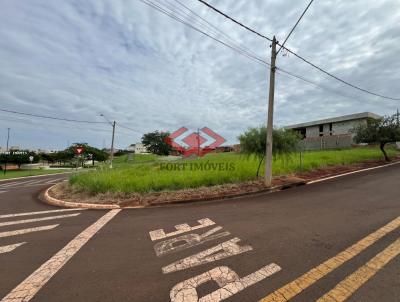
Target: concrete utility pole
(112,139)
(112,145)
(270,120)
(8,139)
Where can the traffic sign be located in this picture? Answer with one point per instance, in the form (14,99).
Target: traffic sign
(79,150)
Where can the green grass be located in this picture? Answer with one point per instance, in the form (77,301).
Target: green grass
(22,173)
(128,177)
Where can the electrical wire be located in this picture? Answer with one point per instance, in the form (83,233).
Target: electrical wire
(298,21)
(234,20)
(300,57)
(235,48)
(50,117)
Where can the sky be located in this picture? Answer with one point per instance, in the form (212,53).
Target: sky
(126,60)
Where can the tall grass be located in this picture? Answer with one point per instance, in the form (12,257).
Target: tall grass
(129,177)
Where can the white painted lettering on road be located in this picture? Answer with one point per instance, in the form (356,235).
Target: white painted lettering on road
(228,280)
(181,228)
(187,241)
(224,250)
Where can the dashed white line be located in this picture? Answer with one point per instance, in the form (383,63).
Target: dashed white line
(38,219)
(3,191)
(10,248)
(38,213)
(26,290)
(29,230)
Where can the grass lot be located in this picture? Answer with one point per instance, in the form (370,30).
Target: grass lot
(21,173)
(152,175)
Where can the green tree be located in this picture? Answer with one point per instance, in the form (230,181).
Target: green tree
(156,142)
(379,131)
(19,157)
(89,152)
(253,142)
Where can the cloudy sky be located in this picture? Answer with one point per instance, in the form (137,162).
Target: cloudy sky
(77,59)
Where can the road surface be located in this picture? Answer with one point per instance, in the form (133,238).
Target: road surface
(336,240)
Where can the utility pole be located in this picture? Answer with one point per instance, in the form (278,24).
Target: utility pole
(8,139)
(112,139)
(398,118)
(112,145)
(270,120)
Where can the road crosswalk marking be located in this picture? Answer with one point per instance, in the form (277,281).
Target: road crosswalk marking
(26,290)
(10,248)
(37,219)
(295,287)
(28,230)
(38,213)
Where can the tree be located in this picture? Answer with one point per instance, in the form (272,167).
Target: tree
(89,152)
(19,157)
(156,142)
(378,131)
(253,142)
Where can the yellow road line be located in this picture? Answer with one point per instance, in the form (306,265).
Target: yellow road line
(288,291)
(348,286)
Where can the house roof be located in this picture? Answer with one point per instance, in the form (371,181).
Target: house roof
(337,119)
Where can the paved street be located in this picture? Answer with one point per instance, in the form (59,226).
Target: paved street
(336,240)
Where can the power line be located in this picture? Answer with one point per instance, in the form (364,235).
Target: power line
(298,56)
(234,20)
(233,47)
(309,4)
(339,79)
(50,117)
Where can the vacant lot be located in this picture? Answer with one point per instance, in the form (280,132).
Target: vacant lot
(150,173)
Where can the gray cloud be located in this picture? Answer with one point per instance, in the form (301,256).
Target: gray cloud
(77,59)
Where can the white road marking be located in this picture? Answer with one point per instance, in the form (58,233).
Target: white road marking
(3,191)
(181,228)
(228,280)
(34,183)
(221,251)
(26,290)
(10,184)
(10,248)
(349,173)
(38,219)
(29,230)
(187,241)
(38,213)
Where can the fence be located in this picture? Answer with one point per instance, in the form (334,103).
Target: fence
(327,142)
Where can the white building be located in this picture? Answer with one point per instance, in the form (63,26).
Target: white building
(138,148)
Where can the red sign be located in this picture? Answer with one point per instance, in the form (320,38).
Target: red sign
(79,150)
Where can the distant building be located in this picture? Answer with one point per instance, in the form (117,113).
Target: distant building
(333,132)
(139,148)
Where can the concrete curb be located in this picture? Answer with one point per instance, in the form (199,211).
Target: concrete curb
(45,196)
(66,204)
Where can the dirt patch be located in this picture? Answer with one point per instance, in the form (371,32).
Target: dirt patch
(65,192)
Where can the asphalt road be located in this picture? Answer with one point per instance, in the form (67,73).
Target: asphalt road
(336,240)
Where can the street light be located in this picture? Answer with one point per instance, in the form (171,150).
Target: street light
(112,139)
(8,139)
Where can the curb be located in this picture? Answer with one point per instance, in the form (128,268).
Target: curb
(67,204)
(45,197)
